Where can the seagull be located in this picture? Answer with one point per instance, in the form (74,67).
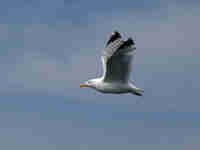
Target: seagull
(116,60)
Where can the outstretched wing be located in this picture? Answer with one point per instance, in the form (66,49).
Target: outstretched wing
(117,60)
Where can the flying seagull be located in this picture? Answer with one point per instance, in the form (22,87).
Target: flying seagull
(116,60)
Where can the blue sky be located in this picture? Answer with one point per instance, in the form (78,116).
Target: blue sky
(49,47)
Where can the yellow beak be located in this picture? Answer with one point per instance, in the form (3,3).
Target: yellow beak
(83,85)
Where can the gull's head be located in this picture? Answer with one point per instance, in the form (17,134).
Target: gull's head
(90,83)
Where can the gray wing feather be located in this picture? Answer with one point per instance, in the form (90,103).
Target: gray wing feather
(112,48)
(117,62)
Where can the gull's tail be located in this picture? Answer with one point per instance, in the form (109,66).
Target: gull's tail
(138,92)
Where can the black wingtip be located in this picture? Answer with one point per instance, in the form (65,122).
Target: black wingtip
(115,35)
(127,43)
(130,42)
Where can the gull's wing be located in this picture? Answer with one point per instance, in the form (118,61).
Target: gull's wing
(117,60)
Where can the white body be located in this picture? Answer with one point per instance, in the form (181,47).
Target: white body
(115,87)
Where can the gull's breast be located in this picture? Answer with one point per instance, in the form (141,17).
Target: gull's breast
(106,87)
